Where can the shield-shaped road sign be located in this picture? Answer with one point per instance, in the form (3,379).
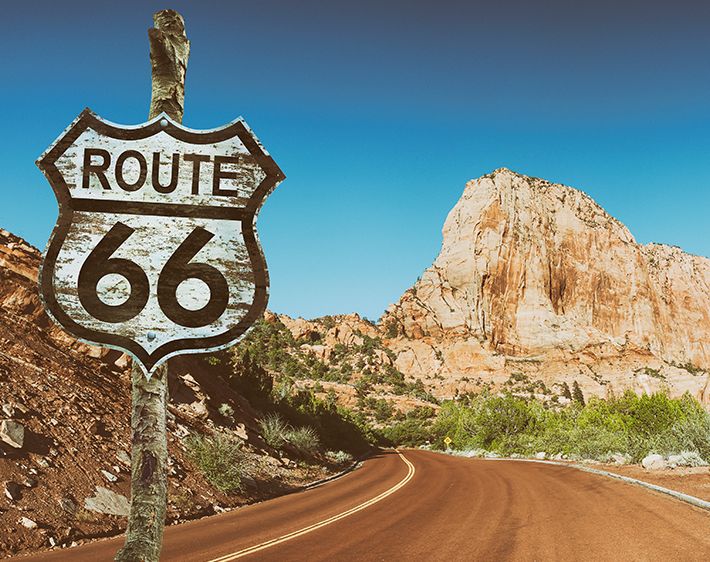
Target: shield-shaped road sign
(155,250)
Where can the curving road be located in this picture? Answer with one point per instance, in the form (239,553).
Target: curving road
(425,506)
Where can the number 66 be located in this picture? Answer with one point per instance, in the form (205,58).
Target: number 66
(177,269)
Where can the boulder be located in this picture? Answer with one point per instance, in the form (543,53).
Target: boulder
(654,462)
(107,502)
(123,361)
(181,431)
(199,409)
(248,482)
(109,476)
(13,491)
(124,458)
(28,523)
(68,505)
(30,482)
(241,432)
(12,433)
(620,458)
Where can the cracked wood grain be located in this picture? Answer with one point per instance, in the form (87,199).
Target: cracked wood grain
(169,51)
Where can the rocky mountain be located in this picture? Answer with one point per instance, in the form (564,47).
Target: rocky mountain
(536,280)
(535,288)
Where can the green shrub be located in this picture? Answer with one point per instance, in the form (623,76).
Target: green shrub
(631,425)
(411,432)
(500,420)
(339,457)
(225,410)
(337,426)
(687,458)
(249,379)
(219,457)
(566,392)
(577,393)
(305,439)
(274,430)
(392,329)
(693,435)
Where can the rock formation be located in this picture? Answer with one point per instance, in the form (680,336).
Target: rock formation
(535,277)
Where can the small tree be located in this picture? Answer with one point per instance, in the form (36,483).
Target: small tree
(566,391)
(577,393)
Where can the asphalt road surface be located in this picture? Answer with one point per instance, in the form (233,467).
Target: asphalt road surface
(425,506)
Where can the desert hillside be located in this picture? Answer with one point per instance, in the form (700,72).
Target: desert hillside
(65,428)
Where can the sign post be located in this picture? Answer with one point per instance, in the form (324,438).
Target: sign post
(155,252)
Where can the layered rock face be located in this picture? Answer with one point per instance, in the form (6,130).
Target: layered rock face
(536,277)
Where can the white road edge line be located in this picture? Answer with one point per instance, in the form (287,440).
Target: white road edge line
(283,538)
(687,498)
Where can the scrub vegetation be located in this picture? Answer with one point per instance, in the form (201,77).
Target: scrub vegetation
(291,416)
(220,458)
(630,425)
(277,433)
(302,419)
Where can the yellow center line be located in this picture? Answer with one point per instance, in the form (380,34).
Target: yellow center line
(314,526)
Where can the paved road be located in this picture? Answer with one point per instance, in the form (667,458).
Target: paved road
(430,507)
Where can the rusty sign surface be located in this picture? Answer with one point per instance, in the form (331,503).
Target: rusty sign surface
(155,250)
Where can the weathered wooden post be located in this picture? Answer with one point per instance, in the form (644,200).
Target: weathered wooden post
(169,51)
(155,252)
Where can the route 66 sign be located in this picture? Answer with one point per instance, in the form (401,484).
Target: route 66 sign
(155,250)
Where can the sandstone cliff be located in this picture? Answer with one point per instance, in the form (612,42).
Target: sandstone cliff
(536,278)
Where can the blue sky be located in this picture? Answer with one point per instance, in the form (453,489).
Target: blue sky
(379,112)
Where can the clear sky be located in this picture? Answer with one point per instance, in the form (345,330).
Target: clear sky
(380,111)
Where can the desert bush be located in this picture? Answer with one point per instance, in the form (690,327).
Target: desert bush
(577,394)
(225,410)
(339,457)
(277,433)
(337,427)
(274,430)
(497,423)
(687,458)
(305,439)
(408,433)
(584,442)
(501,422)
(693,434)
(219,457)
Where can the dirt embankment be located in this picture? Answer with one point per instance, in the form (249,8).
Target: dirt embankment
(65,434)
(694,481)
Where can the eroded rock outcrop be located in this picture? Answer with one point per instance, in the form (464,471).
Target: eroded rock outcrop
(535,277)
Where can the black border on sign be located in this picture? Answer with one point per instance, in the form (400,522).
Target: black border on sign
(246,215)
